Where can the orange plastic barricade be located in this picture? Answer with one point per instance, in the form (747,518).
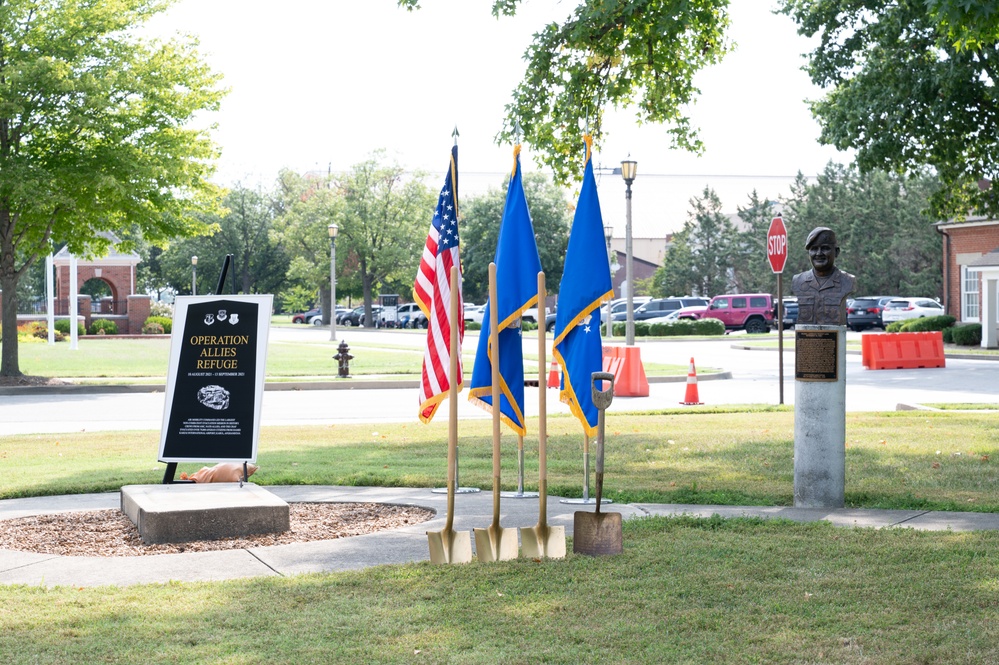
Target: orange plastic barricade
(903,350)
(628,371)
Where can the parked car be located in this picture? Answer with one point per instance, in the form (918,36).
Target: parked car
(356,316)
(306,317)
(790,313)
(411,316)
(865,312)
(550,320)
(901,309)
(531,315)
(659,307)
(475,314)
(684,313)
(752,312)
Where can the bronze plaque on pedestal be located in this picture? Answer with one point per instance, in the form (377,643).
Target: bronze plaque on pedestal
(815,354)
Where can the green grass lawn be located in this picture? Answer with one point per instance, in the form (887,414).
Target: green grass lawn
(684,591)
(913,459)
(122,360)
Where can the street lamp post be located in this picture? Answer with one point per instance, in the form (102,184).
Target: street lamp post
(608,233)
(629,169)
(332,229)
(194,275)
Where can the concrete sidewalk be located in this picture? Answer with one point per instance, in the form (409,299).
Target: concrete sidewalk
(408,544)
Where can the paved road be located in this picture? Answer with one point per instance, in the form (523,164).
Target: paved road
(754,380)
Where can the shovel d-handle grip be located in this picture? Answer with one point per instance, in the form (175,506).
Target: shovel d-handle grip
(602,398)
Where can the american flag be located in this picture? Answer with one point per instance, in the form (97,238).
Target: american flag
(432,291)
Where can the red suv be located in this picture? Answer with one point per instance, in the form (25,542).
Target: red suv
(752,312)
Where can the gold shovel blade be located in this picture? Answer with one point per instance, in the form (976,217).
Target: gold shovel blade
(450,546)
(495,544)
(543,542)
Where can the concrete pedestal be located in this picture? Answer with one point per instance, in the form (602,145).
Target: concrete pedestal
(184,512)
(820,416)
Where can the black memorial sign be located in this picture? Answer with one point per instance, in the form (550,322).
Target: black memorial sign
(815,355)
(214,391)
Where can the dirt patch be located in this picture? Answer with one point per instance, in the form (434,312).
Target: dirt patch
(111,533)
(24,380)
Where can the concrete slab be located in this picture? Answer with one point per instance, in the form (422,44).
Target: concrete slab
(939,521)
(184,512)
(843,517)
(46,505)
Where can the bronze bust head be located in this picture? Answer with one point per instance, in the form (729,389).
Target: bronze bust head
(822,291)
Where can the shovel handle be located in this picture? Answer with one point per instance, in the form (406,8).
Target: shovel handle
(602,398)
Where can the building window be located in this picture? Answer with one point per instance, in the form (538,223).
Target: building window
(969,294)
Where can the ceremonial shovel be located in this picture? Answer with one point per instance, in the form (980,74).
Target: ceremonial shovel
(495,543)
(449,546)
(598,533)
(542,540)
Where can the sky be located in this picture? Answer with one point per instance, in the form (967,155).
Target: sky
(323,84)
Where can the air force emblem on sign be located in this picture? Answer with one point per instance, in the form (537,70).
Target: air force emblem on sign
(234,318)
(209,319)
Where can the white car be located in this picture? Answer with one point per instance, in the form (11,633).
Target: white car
(688,313)
(901,309)
(475,314)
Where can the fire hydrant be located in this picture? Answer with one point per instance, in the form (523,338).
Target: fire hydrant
(343,358)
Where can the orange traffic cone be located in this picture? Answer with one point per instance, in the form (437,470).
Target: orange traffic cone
(691,396)
(553,381)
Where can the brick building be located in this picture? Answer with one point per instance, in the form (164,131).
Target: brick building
(971,273)
(115,269)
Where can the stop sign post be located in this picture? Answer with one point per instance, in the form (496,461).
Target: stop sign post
(777,256)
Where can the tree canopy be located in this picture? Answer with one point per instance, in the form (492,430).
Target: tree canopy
(481,216)
(95,134)
(911,83)
(640,54)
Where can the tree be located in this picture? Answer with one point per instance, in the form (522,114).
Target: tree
(700,258)
(481,216)
(259,262)
(94,135)
(383,224)
(886,241)
(308,205)
(752,269)
(912,83)
(638,53)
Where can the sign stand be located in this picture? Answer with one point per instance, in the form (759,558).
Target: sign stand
(777,255)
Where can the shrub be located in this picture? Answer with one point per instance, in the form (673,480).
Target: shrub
(103,327)
(527,326)
(969,334)
(929,323)
(158,308)
(708,327)
(948,335)
(151,328)
(472,325)
(895,326)
(165,323)
(62,325)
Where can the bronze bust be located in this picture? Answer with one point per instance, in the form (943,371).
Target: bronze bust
(822,291)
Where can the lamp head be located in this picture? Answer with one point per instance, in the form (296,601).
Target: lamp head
(332,229)
(194,260)
(629,169)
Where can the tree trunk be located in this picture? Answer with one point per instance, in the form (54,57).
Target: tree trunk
(8,320)
(324,303)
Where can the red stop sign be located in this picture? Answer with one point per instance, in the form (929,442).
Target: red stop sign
(777,245)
